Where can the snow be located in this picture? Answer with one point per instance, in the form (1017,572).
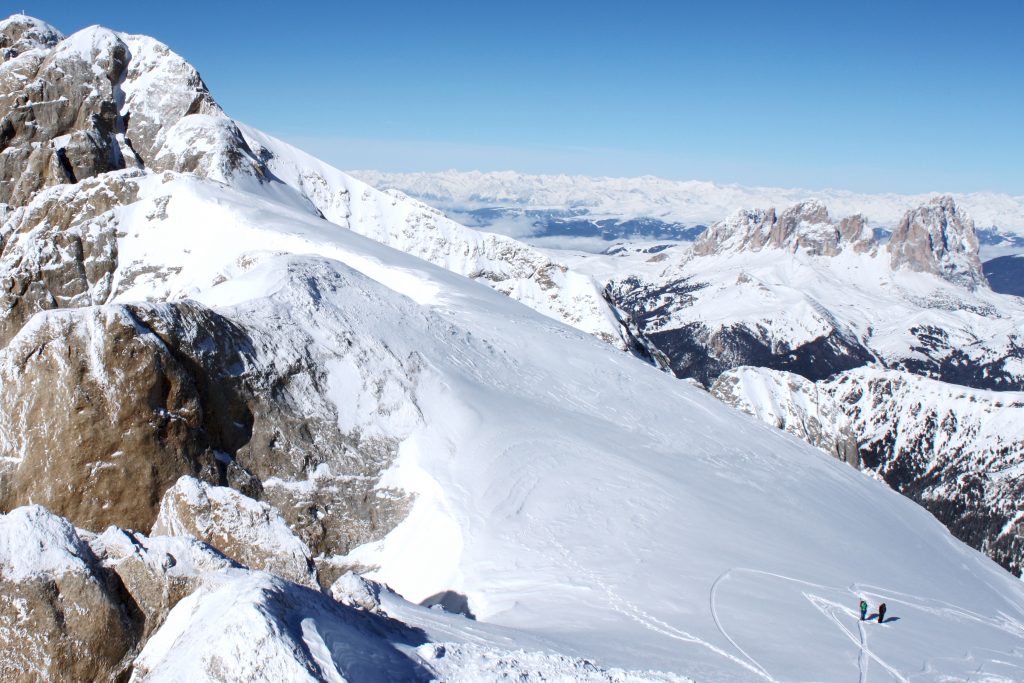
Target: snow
(35,544)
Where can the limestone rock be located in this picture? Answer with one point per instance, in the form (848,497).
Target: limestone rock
(249,531)
(157,572)
(120,413)
(60,251)
(938,238)
(61,615)
(352,590)
(802,227)
(59,111)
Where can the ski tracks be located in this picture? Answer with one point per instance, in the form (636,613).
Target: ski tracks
(633,611)
(827,607)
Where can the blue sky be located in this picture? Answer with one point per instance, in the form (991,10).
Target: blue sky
(869,96)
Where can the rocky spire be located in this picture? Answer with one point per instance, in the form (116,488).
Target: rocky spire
(802,227)
(939,238)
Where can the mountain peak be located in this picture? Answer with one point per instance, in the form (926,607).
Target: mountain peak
(805,226)
(938,237)
(20,33)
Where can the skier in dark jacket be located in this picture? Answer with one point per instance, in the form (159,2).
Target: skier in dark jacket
(881,613)
(863,610)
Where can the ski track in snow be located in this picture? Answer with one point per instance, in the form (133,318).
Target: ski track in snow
(631,610)
(829,609)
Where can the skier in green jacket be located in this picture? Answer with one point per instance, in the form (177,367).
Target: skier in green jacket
(863,610)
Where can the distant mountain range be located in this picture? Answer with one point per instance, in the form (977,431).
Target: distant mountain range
(545,207)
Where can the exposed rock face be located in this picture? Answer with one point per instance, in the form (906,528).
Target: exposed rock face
(803,227)
(793,404)
(246,530)
(60,251)
(60,114)
(62,617)
(122,411)
(139,396)
(938,238)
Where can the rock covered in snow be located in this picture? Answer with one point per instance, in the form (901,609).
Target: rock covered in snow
(246,530)
(793,404)
(243,626)
(355,591)
(938,238)
(956,451)
(61,616)
(156,571)
(20,33)
(513,268)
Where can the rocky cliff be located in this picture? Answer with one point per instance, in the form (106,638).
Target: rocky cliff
(938,238)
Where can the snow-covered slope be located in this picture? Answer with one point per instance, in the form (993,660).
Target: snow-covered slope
(956,451)
(509,266)
(441,437)
(687,202)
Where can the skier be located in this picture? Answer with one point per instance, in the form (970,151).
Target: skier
(881,613)
(863,610)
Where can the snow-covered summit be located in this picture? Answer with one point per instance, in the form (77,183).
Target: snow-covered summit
(20,33)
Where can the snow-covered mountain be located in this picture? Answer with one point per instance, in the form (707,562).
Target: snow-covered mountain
(956,451)
(226,401)
(793,290)
(655,208)
(796,300)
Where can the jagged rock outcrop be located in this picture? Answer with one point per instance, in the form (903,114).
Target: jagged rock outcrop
(62,617)
(98,101)
(251,532)
(59,111)
(155,572)
(938,238)
(60,250)
(793,404)
(803,227)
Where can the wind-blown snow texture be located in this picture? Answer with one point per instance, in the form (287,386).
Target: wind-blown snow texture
(587,505)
